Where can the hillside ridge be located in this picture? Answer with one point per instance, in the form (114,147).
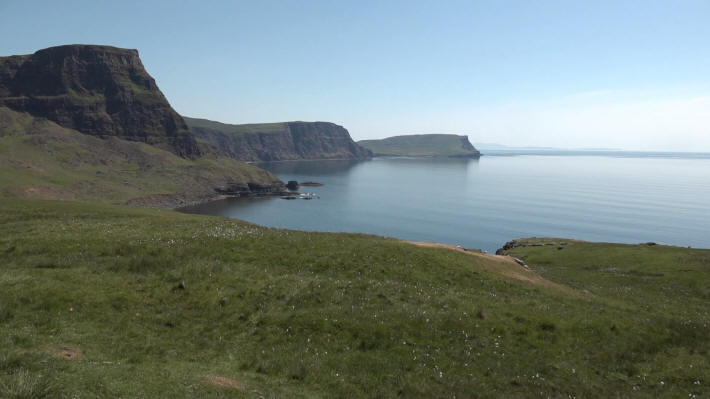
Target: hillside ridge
(42,160)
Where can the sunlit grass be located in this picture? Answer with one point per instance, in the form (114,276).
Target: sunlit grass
(158,304)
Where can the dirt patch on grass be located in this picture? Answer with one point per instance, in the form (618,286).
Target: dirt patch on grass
(222,382)
(66,352)
(501,264)
(44,192)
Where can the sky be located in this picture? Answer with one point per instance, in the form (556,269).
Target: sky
(570,74)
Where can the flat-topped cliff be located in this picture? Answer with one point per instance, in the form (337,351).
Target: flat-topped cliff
(423,145)
(97,90)
(284,141)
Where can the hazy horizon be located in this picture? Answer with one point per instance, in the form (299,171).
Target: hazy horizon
(625,75)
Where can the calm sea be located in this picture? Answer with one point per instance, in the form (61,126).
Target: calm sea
(617,197)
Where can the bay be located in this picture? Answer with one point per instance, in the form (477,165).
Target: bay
(622,197)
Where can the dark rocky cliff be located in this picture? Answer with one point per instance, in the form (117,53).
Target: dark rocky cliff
(97,90)
(279,141)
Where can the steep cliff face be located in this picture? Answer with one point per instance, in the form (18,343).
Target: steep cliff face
(97,90)
(279,141)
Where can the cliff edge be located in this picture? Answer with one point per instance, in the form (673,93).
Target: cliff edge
(284,141)
(97,90)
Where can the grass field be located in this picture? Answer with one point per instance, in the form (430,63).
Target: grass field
(422,145)
(112,301)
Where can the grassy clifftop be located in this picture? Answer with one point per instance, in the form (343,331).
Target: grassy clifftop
(285,141)
(39,159)
(107,301)
(277,127)
(422,145)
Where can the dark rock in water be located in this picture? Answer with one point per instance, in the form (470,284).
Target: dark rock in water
(292,185)
(283,141)
(238,189)
(97,90)
(311,184)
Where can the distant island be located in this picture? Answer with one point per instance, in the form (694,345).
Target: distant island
(281,141)
(423,145)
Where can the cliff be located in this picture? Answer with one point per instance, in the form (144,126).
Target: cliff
(423,145)
(97,90)
(285,141)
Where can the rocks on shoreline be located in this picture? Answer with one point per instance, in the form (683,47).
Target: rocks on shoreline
(293,185)
(528,243)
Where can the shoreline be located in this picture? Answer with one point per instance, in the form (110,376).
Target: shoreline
(176,202)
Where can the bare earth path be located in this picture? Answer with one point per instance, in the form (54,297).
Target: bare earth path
(503,265)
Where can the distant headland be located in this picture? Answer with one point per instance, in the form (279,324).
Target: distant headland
(423,145)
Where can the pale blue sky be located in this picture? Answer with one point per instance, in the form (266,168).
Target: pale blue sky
(626,74)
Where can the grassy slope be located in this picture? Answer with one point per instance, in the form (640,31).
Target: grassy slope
(298,314)
(418,145)
(226,128)
(39,159)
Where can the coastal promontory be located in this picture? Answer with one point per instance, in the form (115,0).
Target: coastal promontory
(423,145)
(97,90)
(283,141)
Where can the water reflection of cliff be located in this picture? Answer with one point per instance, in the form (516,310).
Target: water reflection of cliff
(327,167)
(430,161)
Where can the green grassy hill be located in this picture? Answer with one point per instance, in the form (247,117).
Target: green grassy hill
(278,127)
(422,145)
(39,159)
(112,301)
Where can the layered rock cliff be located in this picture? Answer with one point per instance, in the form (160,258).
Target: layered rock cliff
(285,141)
(85,122)
(97,90)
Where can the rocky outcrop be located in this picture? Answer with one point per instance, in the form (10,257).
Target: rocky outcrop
(287,141)
(532,242)
(97,90)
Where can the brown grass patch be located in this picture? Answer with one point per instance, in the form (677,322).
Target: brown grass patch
(222,382)
(503,265)
(66,352)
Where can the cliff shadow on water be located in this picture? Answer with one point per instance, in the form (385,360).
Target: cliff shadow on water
(324,167)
